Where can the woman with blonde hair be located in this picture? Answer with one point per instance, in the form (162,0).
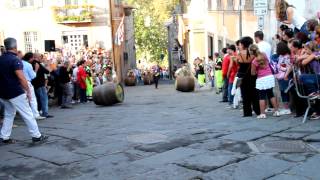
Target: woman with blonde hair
(287,14)
(265,80)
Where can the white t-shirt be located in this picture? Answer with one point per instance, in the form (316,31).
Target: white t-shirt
(74,74)
(297,20)
(265,47)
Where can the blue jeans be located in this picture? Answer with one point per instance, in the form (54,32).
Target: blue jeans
(212,82)
(303,29)
(283,85)
(83,95)
(230,96)
(311,82)
(225,90)
(43,97)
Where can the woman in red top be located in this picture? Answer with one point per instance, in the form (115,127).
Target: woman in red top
(81,77)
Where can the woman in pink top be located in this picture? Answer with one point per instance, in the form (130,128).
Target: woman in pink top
(265,82)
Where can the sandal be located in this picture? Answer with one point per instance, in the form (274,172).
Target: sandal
(8,141)
(276,114)
(262,116)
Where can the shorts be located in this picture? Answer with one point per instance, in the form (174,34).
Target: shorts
(267,93)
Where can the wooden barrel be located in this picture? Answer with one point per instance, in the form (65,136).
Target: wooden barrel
(108,94)
(148,79)
(185,83)
(130,81)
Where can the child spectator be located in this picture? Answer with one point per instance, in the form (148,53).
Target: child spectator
(265,81)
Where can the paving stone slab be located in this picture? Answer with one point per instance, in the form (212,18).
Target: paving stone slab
(291,135)
(168,157)
(53,155)
(247,135)
(299,157)
(288,177)
(309,169)
(169,172)
(315,145)
(258,167)
(6,156)
(29,168)
(103,149)
(183,140)
(209,161)
(313,138)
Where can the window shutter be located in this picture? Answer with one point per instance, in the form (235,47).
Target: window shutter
(38,3)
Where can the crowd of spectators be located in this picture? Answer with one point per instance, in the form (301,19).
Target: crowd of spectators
(276,79)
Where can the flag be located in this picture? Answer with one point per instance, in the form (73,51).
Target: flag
(119,37)
(181,30)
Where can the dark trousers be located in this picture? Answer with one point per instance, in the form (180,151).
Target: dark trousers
(59,92)
(83,95)
(298,104)
(156,81)
(250,96)
(75,91)
(225,90)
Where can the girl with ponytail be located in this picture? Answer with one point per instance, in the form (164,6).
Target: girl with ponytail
(265,81)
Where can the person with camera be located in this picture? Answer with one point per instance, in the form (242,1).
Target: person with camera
(39,84)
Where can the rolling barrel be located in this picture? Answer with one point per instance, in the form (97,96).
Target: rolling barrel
(185,83)
(108,94)
(148,79)
(130,81)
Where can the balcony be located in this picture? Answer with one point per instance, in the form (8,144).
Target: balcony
(73,14)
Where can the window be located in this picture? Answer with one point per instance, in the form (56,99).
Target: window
(248,5)
(219,5)
(31,41)
(230,5)
(26,3)
(71,2)
(209,4)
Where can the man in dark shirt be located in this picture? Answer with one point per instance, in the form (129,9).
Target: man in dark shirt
(64,76)
(39,84)
(15,94)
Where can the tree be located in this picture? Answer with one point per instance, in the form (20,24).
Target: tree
(151,37)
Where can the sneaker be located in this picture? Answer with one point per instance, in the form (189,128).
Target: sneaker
(314,116)
(40,118)
(262,116)
(66,107)
(40,139)
(269,110)
(285,111)
(276,114)
(49,116)
(8,141)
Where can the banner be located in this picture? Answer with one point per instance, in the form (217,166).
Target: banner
(119,36)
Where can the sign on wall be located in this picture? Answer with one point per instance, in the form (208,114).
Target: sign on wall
(260,7)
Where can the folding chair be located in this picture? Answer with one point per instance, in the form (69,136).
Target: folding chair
(299,87)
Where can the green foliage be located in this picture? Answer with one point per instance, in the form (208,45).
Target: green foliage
(151,41)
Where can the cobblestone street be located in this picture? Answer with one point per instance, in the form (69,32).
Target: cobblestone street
(164,135)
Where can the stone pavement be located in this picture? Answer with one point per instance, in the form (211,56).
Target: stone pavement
(164,135)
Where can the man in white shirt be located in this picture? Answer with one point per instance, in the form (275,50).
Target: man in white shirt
(30,74)
(264,46)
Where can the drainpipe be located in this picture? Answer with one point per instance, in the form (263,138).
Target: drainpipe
(240,19)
